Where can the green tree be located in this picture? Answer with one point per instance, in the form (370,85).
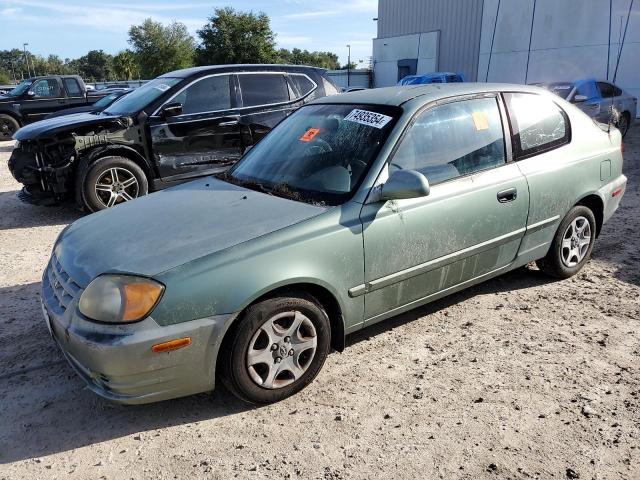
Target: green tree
(236,37)
(96,65)
(296,56)
(125,65)
(159,48)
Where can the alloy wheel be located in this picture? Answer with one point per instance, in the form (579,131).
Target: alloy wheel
(281,350)
(575,242)
(116,185)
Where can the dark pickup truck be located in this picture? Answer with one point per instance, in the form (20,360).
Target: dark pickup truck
(34,98)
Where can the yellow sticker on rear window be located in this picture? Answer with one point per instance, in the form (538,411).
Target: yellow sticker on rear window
(480,121)
(309,134)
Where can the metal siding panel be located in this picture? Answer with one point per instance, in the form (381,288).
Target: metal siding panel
(459,23)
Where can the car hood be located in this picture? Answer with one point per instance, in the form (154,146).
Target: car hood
(169,228)
(65,123)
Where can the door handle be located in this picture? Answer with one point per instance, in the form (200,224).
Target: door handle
(233,120)
(508,195)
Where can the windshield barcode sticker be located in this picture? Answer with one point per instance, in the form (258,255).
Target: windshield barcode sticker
(365,117)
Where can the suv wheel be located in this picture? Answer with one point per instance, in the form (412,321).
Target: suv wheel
(277,349)
(110,181)
(572,244)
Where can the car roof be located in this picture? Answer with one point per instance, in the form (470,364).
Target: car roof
(248,67)
(398,95)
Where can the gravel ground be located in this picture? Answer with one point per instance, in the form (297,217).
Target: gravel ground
(521,377)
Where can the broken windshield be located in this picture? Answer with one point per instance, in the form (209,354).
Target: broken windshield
(141,96)
(319,154)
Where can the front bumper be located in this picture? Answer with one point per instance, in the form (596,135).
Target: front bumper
(116,361)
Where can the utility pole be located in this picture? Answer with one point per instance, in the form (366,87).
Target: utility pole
(349,66)
(26,59)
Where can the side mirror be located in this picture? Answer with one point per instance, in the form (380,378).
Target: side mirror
(580,98)
(31,94)
(172,109)
(405,184)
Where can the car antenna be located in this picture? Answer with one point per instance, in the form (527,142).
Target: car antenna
(615,72)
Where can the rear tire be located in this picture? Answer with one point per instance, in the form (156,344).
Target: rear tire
(110,181)
(8,126)
(572,245)
(623,123)
(277,349)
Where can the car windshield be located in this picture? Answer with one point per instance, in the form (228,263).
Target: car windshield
(319,155)
(141,96)
(106,100)
(20,88)
(562,89)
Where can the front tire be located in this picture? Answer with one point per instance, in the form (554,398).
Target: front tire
(572,245)
(8,126)
(110,181)
(277,349)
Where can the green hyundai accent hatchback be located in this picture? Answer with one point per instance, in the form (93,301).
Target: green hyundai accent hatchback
(354,209)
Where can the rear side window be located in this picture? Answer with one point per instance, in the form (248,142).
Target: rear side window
(209,94)
(453,140)
(302,84)
(72,86)
(263,89)
(606,89)
(537,123)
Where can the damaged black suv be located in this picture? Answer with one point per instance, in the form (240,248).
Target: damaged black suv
(184,124)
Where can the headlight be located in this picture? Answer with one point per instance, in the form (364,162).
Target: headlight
(120,298)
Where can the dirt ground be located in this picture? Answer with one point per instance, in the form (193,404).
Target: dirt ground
(521,377)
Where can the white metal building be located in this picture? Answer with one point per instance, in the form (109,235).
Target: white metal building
(517,41)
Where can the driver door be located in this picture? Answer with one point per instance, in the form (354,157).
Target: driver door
(203,136)
(48,97)
(469,225)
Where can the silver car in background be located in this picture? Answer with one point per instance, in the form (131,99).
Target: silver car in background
(595,98)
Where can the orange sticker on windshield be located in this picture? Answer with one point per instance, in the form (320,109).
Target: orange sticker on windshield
(480,120)
(309,134)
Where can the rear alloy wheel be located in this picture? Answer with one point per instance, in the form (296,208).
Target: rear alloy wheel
(572,244)
(110,181)
(277,349)
(8,126)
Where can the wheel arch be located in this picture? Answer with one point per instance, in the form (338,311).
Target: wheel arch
(595,203)
(14,115)
(122,151)
(320,293)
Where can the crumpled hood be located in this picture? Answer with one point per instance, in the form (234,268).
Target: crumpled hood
(169,228)
(65,123)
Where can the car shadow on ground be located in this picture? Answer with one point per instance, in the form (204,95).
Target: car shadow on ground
(17,214)
(521,278)
(45,406)
(45,424)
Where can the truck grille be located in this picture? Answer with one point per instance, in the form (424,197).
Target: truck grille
(61,284)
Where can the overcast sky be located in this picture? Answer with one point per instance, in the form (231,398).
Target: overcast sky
(69,28)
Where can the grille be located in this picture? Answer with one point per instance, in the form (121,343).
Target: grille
(62,285)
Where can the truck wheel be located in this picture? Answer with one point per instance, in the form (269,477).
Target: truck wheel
(110,181)
(277,349)
(8,126)
(572,245)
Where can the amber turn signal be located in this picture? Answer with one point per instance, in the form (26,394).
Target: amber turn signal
(171,345)
(139,299)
